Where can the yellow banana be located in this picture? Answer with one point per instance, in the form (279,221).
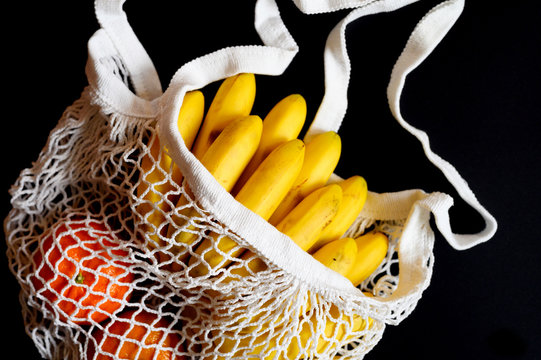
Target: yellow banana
(245,345)
(273,178)
(234,99)
(344,256)
(312,215)
(354,191)
(233,149)
(337,327)
(154,186)
(225,159)
(338,255)
(189,121)
(372,249)
(262,193)
(320,160)
(283,123)
(303,224)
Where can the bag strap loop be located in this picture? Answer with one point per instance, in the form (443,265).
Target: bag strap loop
(143,74)
(427,34)
(333,107)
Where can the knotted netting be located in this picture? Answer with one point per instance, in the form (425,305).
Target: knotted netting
(143,291)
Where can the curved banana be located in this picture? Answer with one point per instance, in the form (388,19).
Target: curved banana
(233,149)
(225,159)
(283,123)
(312,215)
(243,345)
(234,99)
(338,255)
(320,160)
(262,193)
(154,185)
(354,192)
(189,121)
(303,224)
(337,327)
(372,249)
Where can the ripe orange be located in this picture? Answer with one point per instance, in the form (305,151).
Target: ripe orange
(148,334)
(78,271)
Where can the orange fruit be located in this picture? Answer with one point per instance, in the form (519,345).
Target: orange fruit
(79,271)
(143,333)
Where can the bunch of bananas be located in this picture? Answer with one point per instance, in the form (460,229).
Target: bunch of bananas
(268,169)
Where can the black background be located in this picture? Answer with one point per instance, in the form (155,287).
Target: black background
(477,96)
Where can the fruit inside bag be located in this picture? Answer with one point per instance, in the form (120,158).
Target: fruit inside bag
(121,253)
(126,263)
(244,305)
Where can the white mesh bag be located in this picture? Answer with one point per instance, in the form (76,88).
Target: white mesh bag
(94,281)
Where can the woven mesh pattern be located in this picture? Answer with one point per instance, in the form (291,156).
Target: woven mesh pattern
(103,274)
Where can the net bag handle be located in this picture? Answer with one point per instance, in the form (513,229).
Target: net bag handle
(143,74)
(425,37)
(422,41)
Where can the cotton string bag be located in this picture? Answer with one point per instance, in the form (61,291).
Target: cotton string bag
(88,173)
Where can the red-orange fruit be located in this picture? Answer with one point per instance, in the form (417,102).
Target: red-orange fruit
(143,334)
(79,270)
